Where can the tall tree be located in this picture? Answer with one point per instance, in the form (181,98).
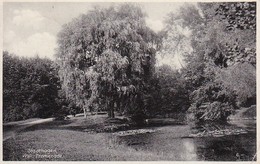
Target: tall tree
(105,57)
(217,51)
(30,87)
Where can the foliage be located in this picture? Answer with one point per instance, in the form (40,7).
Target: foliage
(239,15)
(212,101)
(168,93)
(106,57)
(106,62)
(241,78)
(217,52)
(211,111)
(29,87)
(236,45)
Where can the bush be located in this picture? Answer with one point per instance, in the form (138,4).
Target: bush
(30,87)
(240,78)
(212,101)
(217,111)
(138,118)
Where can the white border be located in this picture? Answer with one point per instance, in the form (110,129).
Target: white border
(135,162)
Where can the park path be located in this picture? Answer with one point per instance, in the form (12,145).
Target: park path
(11,129)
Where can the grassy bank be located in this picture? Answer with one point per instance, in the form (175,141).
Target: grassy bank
(66,140)
(66,145)
(74,140)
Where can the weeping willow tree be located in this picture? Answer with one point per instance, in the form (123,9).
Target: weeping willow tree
(106,57)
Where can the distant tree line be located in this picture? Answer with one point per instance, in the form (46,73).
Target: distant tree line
(31,88)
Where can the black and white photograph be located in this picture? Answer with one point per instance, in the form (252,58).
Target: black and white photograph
(129,81)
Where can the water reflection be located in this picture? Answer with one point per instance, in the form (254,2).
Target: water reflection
(170,141)
(189,152)
(228,148)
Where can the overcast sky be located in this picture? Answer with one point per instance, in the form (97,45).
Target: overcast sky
(31,28)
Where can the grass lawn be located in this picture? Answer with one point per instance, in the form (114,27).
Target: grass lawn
(65,140)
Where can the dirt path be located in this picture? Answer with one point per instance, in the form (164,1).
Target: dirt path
(11,129)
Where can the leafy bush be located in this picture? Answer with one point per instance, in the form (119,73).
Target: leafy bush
(212,102)
(167,93)
(213,111)
(30,87)
(241,78)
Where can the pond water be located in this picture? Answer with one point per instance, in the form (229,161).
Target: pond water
(174,142)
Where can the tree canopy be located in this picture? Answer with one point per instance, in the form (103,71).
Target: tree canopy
(221,59)
(106,61)
(107,55)
(30,88)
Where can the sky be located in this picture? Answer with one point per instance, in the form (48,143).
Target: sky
(31,28)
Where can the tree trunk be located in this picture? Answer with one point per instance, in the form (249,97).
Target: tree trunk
(85,112)
(110,110)
(109,113)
